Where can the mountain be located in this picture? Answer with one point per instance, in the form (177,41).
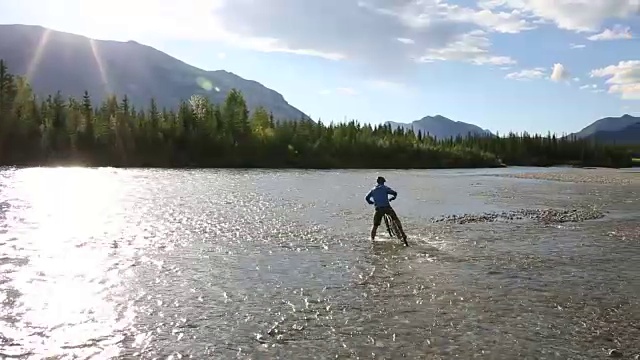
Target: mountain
(440,127)
(629,135)
(609,124)
(54,60)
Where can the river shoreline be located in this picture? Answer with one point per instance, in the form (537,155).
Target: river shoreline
(56,164)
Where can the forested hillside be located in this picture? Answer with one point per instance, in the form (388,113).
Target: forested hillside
(59,130)
(69,63)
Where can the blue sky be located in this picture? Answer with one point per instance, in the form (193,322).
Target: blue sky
(521,65)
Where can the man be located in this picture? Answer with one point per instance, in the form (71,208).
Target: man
(381,202)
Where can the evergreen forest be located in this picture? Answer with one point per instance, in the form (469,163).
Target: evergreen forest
(59,130)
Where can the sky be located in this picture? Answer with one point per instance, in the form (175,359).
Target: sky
(504,65)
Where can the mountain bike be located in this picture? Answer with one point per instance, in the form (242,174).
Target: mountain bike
(393,229)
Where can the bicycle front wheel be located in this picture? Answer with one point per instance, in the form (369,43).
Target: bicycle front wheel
(387,219)
(395,229)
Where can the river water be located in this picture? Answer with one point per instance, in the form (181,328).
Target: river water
(266,264)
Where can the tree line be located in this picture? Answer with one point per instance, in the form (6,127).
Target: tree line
(60,130)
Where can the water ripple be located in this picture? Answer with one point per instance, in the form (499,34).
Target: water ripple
(140,263)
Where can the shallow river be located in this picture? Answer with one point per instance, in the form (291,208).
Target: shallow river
(261,264)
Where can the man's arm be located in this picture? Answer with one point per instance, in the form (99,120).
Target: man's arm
(392,192)
(368,197)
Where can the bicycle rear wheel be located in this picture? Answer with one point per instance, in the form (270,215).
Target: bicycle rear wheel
(395,229)
(392,227)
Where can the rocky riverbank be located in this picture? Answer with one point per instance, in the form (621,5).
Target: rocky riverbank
(546,216)
(627,231)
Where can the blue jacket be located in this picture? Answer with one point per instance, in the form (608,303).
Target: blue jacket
(379,194)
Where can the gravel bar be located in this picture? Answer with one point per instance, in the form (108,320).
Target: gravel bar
(546,216)
(586,175)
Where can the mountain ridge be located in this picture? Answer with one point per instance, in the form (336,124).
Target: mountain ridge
(629,135)
(74,63)
(610,124)
(441,127)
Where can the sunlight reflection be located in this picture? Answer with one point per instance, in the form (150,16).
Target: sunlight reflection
(68,201)
(103,75)
(71,272)
(42,44)
(37,56)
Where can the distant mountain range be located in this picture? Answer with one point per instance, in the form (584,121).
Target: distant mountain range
(630,135)
(624,130)
(441,127)
(72,64)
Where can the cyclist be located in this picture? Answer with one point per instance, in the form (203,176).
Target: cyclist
(381,202)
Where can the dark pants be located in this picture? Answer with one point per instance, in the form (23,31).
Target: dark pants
(380,211)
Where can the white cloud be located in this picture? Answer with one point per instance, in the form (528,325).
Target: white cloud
(624,78)
(152,20)
(492,4)
(617,33)
(471,47)
(527,74)
(383,37)
(559,73)
(372,33)
(577,46)
(222,55)
(503,22)
(588,87)
(577,15)
(426,13)
(406,41)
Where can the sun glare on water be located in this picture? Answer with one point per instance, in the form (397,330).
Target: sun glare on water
(62,273)
(68,201)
